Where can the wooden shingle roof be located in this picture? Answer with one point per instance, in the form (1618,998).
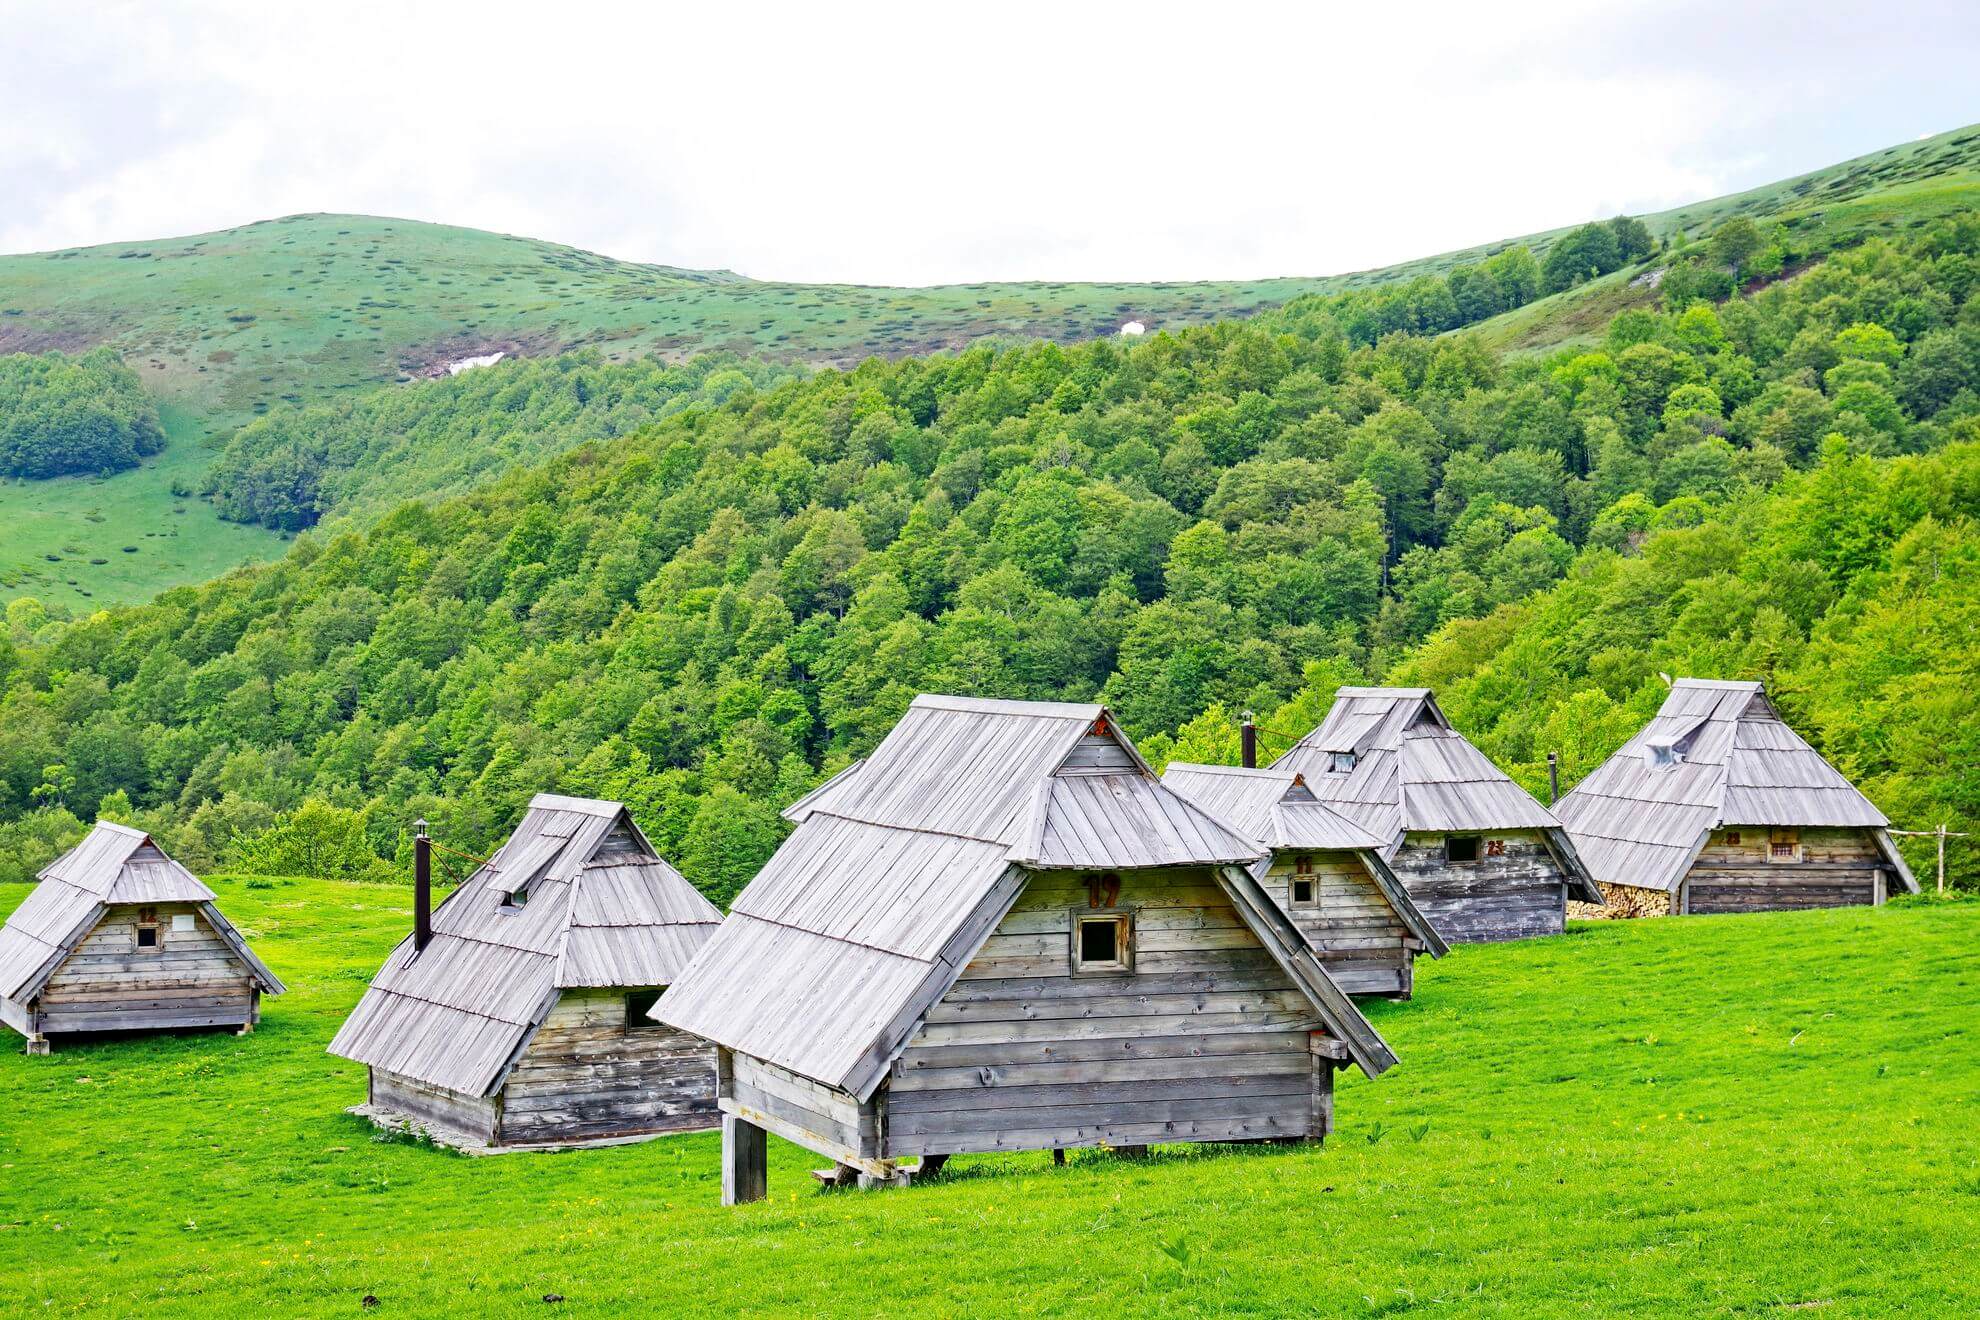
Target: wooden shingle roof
(902,864)
(113,864)
(1277,808)
(1414,772)
(1730,760)
(602,908)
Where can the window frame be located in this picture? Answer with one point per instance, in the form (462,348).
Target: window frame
(147,920)
(1477,842)
(1788,837)
(1303,874)
(1334,766)
(1123,961)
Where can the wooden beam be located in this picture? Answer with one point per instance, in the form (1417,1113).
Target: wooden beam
(1322,1120)
(745,1161)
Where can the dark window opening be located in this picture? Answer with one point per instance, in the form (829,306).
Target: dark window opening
(1302,889)
(147,937)
(516,898)
(639,1007)
(1342,763)
(1102,943)
(1461,848)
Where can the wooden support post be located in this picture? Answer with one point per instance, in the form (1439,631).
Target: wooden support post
(37,1044)
(930,1165)
(1058,1157)
(1132,1152)
(1320,1119)
(745,1161)
(1942,856)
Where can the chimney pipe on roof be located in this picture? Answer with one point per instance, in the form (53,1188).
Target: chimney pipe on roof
(1553,778)
(422,887)
(1248,743)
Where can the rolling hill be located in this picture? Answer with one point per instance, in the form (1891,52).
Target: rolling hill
(1680,1116)
(310,309)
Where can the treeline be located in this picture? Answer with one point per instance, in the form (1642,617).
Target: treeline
(1477,291)
(64,416)
(1852,591)
(704,616)
(287,469)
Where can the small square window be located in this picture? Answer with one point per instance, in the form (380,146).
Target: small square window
(182,921)
(1342,763)
(516,898)
(1102,942)
(639,1009)
(1461,848)
(147,937)
(1302,891)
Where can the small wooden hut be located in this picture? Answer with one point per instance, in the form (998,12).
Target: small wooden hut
(523,1021)
(1326,872)
(1480,856)
(1718,806)
(119,937)
(1002,932)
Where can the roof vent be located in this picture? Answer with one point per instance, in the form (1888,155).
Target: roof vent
(1660,755)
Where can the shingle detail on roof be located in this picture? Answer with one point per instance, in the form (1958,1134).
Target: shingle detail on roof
(601,908)
(1639,820)
(1412,770)
(113,864)
(900,866)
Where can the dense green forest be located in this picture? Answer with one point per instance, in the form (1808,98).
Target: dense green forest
(704,616)
(288,469)
(61,415)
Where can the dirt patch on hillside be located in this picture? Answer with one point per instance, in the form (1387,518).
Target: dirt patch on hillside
(431,361)
(20,334)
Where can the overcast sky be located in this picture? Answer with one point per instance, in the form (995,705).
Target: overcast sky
(932,142)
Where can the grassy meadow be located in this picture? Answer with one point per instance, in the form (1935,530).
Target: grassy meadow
(1703,1116)
(82,542)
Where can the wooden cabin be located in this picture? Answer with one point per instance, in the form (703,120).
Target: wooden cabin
(1718,806)
(523,1021)
(119,937)
(1482,858)
(1326,872)
(1002,932)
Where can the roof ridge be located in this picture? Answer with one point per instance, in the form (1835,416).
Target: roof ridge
(1062,710)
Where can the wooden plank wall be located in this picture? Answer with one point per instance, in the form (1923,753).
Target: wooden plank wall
(586,1074)
(447,1113)
(192,979)
(1839,868)
(1206,1040)
(831,1122)
(1360,938)
(1519,894)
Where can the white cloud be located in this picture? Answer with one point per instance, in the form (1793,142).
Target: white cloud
(910,144)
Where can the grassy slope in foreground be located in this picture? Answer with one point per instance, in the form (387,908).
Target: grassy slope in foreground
(1686,1116)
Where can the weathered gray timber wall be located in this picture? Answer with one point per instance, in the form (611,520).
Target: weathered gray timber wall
(1513,896)
(1838,868)
(801,1110)
(1361,941)
(191,979)
(1205,1040)
(587,1074)
(446,1113)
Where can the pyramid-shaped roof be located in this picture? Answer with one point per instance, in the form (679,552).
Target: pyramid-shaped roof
(1718,753)
(113,864)
(600,908)
(903,863)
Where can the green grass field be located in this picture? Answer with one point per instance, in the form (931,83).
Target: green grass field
(121,539)
(1704,1116)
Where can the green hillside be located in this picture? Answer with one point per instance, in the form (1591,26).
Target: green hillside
(705,615)
(1705,1115)
(313,309)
